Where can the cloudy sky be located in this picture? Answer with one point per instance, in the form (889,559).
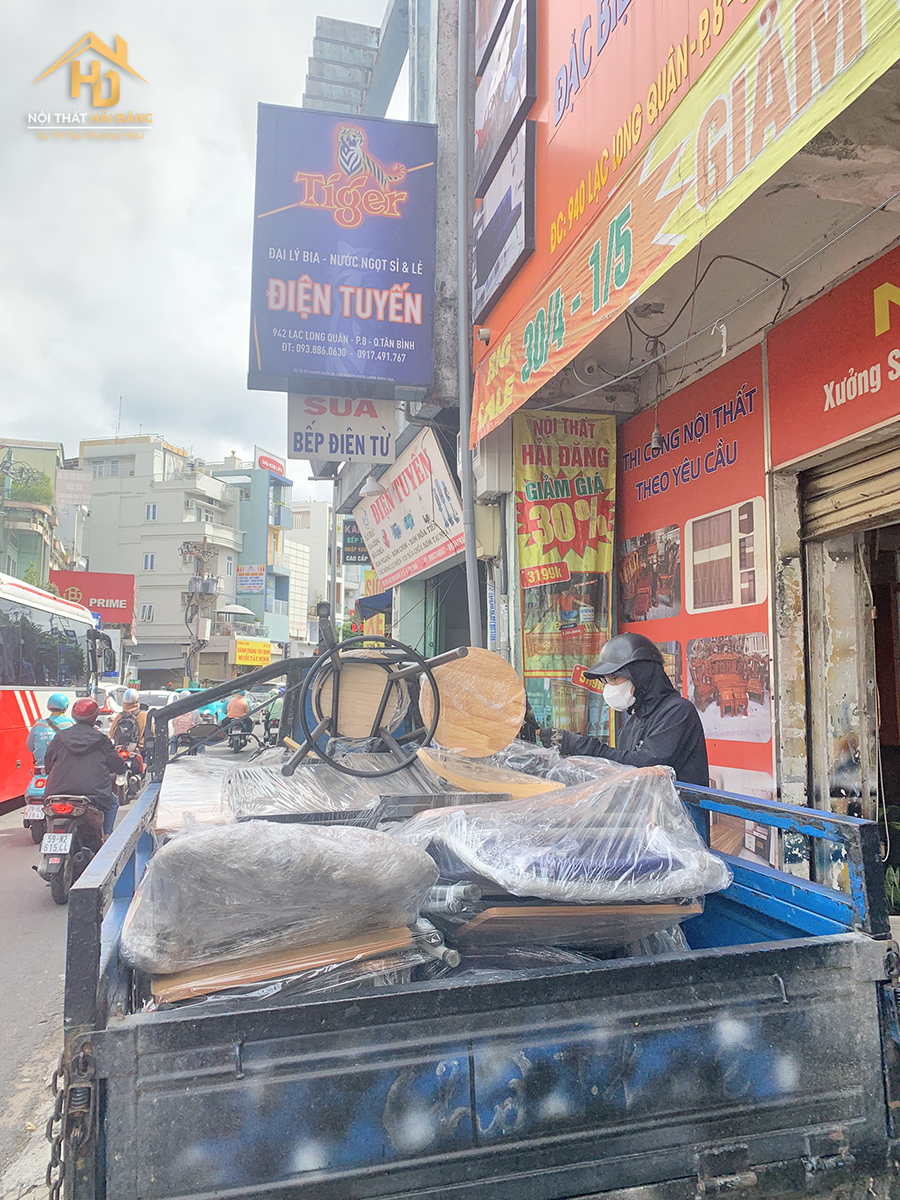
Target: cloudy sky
(125,266)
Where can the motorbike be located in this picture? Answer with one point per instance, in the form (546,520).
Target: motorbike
(133,771)
(239,735)
(74,835)
(33,814)
(270,728)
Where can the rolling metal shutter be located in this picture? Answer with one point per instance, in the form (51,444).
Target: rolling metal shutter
(860,490)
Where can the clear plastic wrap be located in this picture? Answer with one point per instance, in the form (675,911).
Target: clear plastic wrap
(192,794)
(584,769)
(236,891)
(481,775)
(622,840)
(525,757)
(313,790)
(665,941)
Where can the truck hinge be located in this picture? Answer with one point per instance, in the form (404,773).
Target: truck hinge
(724,1169)
(827,1154)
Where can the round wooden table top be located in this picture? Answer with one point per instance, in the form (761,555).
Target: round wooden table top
(482,704)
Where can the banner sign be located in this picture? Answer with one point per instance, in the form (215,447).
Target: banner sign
(341,429)
(374,626)
(416,526)
(269,462)
(109,594)
(693,562)
(73,488)
(354,547)
(565,482)
(343,252)
(755,84)
(834,367)
(251,580)
(250,652)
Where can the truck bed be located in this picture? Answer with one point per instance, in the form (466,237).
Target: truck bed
(756,1057)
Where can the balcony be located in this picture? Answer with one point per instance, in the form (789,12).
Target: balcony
(279,563)
(239,629)
(280,516)
(278,608)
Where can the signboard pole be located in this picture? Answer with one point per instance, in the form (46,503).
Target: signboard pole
(332,586)
(463,84)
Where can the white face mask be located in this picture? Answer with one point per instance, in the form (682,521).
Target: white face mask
(619,696)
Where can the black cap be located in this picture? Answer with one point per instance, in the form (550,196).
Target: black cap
(621,651)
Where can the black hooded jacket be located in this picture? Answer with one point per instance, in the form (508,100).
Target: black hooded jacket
(79,762)
(662,729)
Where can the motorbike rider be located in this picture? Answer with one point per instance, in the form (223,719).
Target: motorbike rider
(239,710)
(127,728)
(81,761)
(662,727)
(45,730)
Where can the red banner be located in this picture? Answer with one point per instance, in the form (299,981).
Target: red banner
(110,595)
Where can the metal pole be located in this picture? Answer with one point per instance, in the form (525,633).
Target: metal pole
(464,83)
(332,587)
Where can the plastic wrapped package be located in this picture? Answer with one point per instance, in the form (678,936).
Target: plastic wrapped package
(313,791)
(236,891)
(192,795)
(480,775)
(485,965)
(349,976)
(622,840)
(526,757)
(584,769)
(666,941)
(482,703)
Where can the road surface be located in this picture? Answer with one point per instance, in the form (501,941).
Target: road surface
(32,960)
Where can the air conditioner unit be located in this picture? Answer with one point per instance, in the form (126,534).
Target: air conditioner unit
(492,463)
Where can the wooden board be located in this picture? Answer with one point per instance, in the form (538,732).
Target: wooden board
(274,964)
(473,776)
(361,688)
(482,704)
(597,925)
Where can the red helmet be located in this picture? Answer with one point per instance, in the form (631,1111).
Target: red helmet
(85,710)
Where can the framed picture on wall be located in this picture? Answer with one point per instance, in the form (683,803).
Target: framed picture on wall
(504,224)
(488,15)
(506,92)
(725,558)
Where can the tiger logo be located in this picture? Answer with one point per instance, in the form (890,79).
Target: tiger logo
(354,161)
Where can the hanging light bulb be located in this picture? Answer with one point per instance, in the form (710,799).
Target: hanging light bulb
(656,436)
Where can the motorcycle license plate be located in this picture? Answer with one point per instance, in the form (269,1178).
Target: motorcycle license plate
(56,843)
(33,812)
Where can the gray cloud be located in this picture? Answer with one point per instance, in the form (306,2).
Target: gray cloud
(125,267)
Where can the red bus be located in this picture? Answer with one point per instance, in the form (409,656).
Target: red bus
(47,645)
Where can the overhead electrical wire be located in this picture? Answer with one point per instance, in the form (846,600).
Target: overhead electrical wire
(782,278)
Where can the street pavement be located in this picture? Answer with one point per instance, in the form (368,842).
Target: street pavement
(32,963)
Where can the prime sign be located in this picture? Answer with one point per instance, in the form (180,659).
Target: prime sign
(341,429)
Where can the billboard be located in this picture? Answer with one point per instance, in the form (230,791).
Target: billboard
(488,14)
(834,367)
(354,552)
(506,91)
(504,224)
(111,595)
(651,131)
(251,652)
(416,526)
(251,580)
(692,560)
(565,485)
(341,428)
(269,462)
(343,253)
(73,488)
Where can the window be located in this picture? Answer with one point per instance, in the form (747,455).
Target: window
(147,612)
(149,562)
(229,565)
(113,468)
(99,468)
(149,512)
(301,520)
(724,558)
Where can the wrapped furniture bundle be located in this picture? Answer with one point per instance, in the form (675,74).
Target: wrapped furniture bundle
(624,839)
(238,891)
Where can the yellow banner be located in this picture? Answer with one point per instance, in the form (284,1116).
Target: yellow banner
(785,72)
(252,653)
(565,512)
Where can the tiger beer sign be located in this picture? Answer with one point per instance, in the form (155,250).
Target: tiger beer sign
(343,254)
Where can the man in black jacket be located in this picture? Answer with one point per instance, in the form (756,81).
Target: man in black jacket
(81,761)
(662,728)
